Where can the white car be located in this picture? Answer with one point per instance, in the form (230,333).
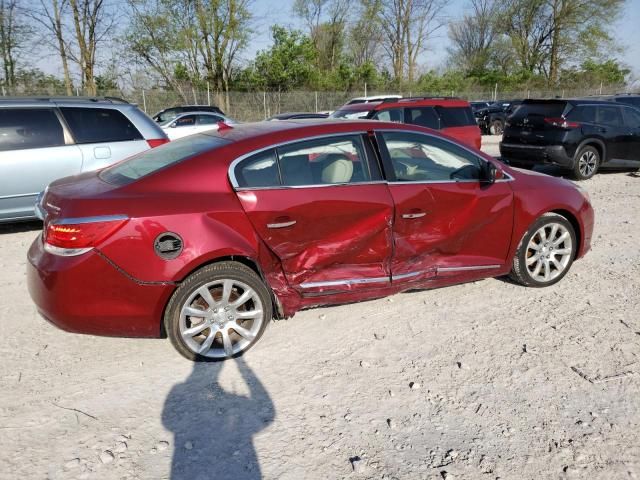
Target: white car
(373,98)
(189,123)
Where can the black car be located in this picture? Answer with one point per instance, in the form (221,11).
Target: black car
(492,118)
(171,113)
(581,135)
(298,115)
(478,105)
(632,99)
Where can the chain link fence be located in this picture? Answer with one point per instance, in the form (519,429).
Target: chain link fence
(257,105)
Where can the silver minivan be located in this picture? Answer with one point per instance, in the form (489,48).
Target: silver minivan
(43,139)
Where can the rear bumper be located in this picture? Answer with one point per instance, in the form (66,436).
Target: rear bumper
(535,155)
(88,294)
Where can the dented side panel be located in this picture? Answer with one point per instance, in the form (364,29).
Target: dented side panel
(341,233)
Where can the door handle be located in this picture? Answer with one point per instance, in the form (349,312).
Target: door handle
(414,215)
(284,224)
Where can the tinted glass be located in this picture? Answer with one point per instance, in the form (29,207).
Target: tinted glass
(29,128)
(97,125)
(609,115)
(540,109)
(635,101)
(186,121)
(208,119)
(419,158)
(350,114)
(260,170)
(423,116)
(324,161)
(391,115)
(455,116)
(158,158)
(583,113)
(632,117)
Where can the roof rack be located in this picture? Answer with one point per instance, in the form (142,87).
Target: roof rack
(435,97)
(38,98)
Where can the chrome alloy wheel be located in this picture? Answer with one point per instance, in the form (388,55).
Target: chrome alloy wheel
(549,252)
(221,318)
(587,163)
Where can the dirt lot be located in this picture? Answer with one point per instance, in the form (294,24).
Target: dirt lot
(508,382)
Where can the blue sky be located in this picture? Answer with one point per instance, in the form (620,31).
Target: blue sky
(267,13)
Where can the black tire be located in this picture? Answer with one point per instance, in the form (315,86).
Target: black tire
(496,127)
(520,272)
(586,163)
(217,272)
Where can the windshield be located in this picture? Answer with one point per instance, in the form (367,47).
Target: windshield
(350,114)
(151,161)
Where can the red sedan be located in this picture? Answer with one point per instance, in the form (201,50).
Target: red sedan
(208,238)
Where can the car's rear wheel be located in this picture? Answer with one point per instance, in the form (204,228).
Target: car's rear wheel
(497,127)
(545,252)
(218,312)
(587,163)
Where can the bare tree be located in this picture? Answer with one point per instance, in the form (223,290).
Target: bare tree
(407,25)
(92,23)
(49,14)
(473,36)
(365,35)
(14,34)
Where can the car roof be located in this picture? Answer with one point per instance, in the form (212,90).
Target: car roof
(87,102)
(407,102)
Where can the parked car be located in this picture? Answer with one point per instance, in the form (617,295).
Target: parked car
(491,119)
(190,123)
(43,139)
(581,135)
(452,116)
(207,238)
(298,115)
(478,105)
(372,98)
(170,113)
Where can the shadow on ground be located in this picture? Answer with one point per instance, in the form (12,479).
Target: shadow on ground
(19,227)
(213,429)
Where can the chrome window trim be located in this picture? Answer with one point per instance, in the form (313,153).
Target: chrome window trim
(468,268)
(353,281)
(20,195)
(232,168)
(99,218)
(402,276)
(320,185)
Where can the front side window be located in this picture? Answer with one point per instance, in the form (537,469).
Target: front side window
(420,158)
(98,125)
(423,116)
(29,128)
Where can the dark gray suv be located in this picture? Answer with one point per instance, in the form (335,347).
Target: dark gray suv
(43,139)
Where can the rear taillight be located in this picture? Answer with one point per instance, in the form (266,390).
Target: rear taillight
(76,236)
(156,142)
(561,122)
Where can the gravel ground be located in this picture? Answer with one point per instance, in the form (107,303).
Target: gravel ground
(482,380)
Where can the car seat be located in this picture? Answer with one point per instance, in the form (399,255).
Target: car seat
(337,170)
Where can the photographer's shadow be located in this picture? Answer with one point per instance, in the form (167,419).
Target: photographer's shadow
(213,429)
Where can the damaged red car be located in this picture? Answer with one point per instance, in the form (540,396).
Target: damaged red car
(208,238)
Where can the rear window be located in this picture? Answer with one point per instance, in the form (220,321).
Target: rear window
(98,125)
(29,128)
(158,158)
(541,109)
(455,116)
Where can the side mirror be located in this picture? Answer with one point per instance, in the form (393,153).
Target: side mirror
(491,173)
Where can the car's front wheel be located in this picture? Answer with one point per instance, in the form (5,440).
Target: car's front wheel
(586,163)
(545,252)
(218,312)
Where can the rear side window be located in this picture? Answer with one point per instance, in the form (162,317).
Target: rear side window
(423,116)
(583,113)
(609,115)
(259,170)
(208,119)
(151,161)
(632,117)
(455,116)
(98,125)
(29,128)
